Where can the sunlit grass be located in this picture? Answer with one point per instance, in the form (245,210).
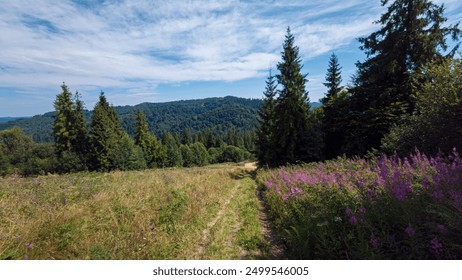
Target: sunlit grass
(152,214)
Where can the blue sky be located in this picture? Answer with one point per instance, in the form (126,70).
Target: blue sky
(157,51)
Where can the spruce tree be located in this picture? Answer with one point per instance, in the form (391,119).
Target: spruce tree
(266,114)
(187,155)
(333,81)
(81,142)
(104,135)
(332,113)
(63,130)
(186,136)
(147,141)
(412,35)
(200,155)
(173,154)
(290,136)
(70,132)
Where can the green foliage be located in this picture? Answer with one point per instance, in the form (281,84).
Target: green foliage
(187,155)
(152,149)
(333,81)
(20,154)
(18,145)
(200,155)
(63,130)
(4,161)
(104,135)
(233,154)
(334,110)
(43,160)
(173,158)
(266,118)
(214,155)
(288,132)
(437,123)
(127,156)
(385,208)
(70,132)
(292,108)
(412,35)
(219,114)
(112,148)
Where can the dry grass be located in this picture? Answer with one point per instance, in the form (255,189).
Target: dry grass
(154,214)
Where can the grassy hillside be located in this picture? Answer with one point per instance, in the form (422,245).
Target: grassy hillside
(197,213)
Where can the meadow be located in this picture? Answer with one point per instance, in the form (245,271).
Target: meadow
(379,208)
(382,208)
(191,213)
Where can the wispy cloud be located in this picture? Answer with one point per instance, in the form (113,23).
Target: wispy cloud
(136,45)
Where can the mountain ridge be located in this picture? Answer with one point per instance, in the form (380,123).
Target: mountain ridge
(216,113)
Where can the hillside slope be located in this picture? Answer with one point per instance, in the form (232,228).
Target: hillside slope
(219,114)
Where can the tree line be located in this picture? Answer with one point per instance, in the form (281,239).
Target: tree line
(407,94)
(103,145)
(223,116)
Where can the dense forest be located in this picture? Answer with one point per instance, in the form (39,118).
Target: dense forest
(174,134)
(217,114)
(407,94)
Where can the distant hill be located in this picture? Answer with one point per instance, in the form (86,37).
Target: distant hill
(219,114)
(7,119)
(315,104)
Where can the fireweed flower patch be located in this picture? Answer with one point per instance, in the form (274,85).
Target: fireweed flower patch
(383,208)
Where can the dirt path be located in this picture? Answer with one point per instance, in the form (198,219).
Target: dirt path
(276,250)
(223,230)
(205,241)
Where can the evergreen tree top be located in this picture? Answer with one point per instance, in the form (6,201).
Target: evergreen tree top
(412,29)
(333,79)
(290,77)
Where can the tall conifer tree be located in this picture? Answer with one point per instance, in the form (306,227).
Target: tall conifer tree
(105,134)
(333,80)
(70,132)
(332,109)
(81,143)
(147,141)
(290,136)
(266,114)
(63,126)
(173,152)
(412,35)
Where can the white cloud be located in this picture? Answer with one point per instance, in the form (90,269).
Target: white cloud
(137,45)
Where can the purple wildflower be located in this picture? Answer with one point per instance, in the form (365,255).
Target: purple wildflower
(442,228)
(353,220)
(29,246)
(362,210)
(349,212)
(436,246)
(151,227)
(410,231)
(374,241)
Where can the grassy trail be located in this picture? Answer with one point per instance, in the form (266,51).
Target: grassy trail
(197,213)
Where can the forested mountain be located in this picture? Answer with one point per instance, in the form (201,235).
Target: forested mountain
(7,119)
(218,114)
